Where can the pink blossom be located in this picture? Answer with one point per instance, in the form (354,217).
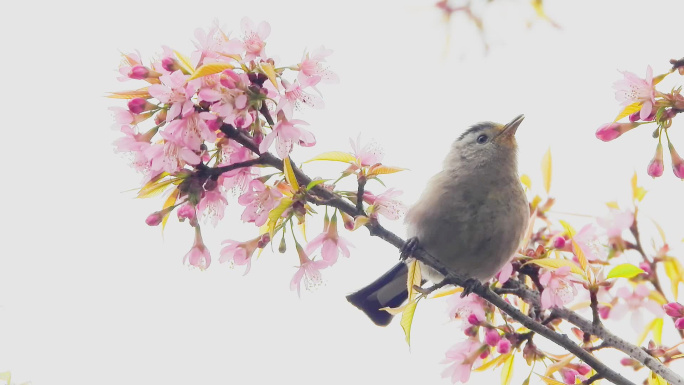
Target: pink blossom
(610,131)
(635,301)
(191,131)
(656,166)
(332,244)
(259,201)
(558,290)
(212,205)
(286,135)
(125,116)
(228,102)
(385,204)
(309,271)
(254,38)
(570,375)
(679,323)
(461,358)
(588,241)
(198,256)
(367,155)
(674,309)
(616,222)
(169,156)
(311,69)
(136,144)
(466,307)
(295,96)
(238,179)
(633,89)
(503,346)
(213,46)
(505,274)
(176,91)
(129,61)
(239,253)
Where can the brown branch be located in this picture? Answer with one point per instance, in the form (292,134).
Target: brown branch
(594,306)
(359,192)
(592,379)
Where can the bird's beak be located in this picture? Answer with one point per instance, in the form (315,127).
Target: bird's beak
(507,132)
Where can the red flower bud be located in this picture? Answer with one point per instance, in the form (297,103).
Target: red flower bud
(677,163)
(610,131)
(674,309)
(656,167)
(559,242)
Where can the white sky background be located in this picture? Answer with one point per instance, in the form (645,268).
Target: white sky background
(91,295)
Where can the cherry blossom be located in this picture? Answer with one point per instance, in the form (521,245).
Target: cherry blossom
(239,253)
(635,301)
(385,204)
(309,271)
(258,202)
(295,95)
(633,89)
(311,69)
(198,256)
(191,131)
(176,91)
(212,205)
(330,242)
(254,38)
(461,358)
(169,156)
(558,289)
(286,134)
(367,155)
(616,222)
(465,307)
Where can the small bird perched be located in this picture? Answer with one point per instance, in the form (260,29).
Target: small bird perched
(471,217)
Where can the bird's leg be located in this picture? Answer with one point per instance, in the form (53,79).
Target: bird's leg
(469,286)
(409,247)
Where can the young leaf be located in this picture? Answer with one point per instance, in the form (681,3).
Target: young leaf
(655,379)
(335,156)
(170,201)
(289,174)
(184,62)
(380,170)
(546,170)
(656,326)
(625,270)
(315,183)
(275,214)
(413,279)
(675,272)
(629,110)
(555,264)
(638,192)
(210,69)
(580,255)
(154,188)
(569,230)
(270,73)
(526,181)
(493,363)
(613,205)
(550,381)
(132,94)
(407,320)
(507,371)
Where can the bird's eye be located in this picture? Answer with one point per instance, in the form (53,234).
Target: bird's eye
(482,139)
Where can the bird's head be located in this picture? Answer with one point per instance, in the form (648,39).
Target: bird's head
(484,142)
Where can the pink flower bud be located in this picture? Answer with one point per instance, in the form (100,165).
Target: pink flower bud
(503,346)
(264,240)
(637,116)
(679,323)
(492,337)
(610,131)
(604,311)
(473,320)
(674,309)
(170,64)
(471,331)
(140,105)
(626,361)
(677,162)
(154,219)
(139,72)
(484,354)
(559,242)
(583,369)
(160,117)
(186,212)
(569,375)
(645,266)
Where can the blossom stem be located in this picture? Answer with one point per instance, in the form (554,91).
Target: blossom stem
(359,193)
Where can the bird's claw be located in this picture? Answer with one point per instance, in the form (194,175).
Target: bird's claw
(469,286)
(409,247)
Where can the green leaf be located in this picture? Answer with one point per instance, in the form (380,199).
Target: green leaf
(507,371)
(550,381)
(170,201)
(380,170)
(334,156)
(629,110)
(555,264)
(625,270)
(407,320)
(569,230)
(493,363)
(210,69)
(184,62)
(315,183)
(526,181)
(289,174)
(269,71)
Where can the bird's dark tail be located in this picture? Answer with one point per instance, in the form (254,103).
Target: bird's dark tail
(386,291)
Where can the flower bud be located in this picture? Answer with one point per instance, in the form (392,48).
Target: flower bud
(140,105)
(139,72)
(160,117)
(569,375)
(610,131)
(558,242)
(282,248)
(677,162)
(503,346)
(154,219)
(646,267)
(583,369)
(186,212)
(170,64)
(229,79)
(492,337)
(679,323)
(473,320)
(471,331)
(656,167)
(264,240)
(637,116)
(674,309)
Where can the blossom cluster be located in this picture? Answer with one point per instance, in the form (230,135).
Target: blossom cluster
(643,104)
(199,126)
(602,268)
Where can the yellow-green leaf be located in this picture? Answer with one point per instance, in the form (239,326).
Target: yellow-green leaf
(132,94)
(289,174)
(659,78)
(275,214)
(6,376)
(655,326)
(210,69)
(444,293)
(526,181)
(170,201)
(407,320)
(155,187)
(675,273)
(558,365)
(654,295)
(550,381)
(493,363)
(380,170)
(360,221)
(638,192)
(613,205)
(315,183)
(555,264)
(625,270)
(270,73)
(655,379)
(660,231)
(629,110)
(413,278)
(394,310)
(569,230)
(184,62)
(546,170)
(580,255)
(507,371)
(335,156)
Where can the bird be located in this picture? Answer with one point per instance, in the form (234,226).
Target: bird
(471,217)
